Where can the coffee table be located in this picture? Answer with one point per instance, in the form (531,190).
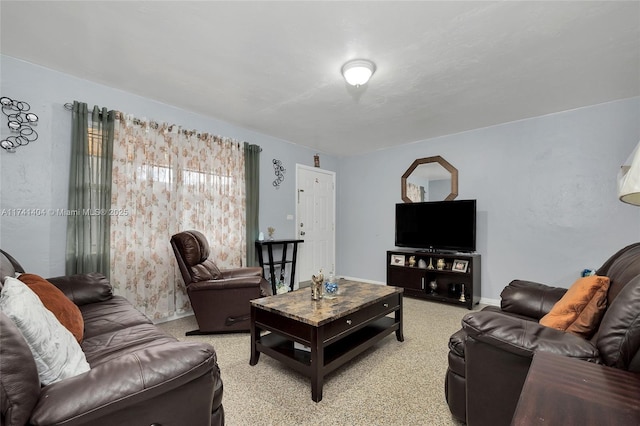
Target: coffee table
(336,330)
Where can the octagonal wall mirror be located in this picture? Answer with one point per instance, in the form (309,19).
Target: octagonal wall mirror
(429,179)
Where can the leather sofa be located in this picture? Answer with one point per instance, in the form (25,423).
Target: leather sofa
(138,374)
(490,356)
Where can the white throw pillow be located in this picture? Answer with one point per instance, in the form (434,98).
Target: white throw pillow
(56,352)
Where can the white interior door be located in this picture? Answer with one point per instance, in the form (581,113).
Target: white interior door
(315,221)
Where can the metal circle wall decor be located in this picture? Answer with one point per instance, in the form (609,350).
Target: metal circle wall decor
(20,122)
(279,170)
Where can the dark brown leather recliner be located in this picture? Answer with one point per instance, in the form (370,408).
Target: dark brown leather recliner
(490,356)
(219,298)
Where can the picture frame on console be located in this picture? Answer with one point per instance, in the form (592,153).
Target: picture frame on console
(460,265)
(398,259)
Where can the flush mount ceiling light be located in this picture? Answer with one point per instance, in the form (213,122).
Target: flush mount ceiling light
(358,71)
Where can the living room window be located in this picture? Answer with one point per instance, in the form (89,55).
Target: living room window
(170,180)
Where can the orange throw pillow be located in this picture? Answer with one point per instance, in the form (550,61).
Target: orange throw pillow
(580,309)
(60,305)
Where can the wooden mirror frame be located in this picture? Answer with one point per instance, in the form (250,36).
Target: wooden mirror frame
(435,159)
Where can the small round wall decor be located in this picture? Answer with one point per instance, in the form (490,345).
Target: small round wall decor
(279,170)
(20,122)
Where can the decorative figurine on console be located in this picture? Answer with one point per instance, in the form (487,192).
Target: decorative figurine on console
(316,286)
(462,297)
(430,264)
(412,261)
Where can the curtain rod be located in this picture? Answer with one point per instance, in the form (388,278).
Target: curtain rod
(154,124)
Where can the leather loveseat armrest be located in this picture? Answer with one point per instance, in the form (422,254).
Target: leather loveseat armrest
(251,271)
(226,283)
(531,299)
(125,383)
(522,337)
(84,288)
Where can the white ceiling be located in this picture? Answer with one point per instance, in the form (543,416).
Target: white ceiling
(442,66)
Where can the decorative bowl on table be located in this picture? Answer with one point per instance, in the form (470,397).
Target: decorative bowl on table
(331,289)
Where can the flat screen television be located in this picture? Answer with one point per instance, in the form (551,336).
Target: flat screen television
(437,225)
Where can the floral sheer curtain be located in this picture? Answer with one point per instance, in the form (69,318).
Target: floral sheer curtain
(167,179)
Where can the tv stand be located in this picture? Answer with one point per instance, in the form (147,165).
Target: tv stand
(449,281)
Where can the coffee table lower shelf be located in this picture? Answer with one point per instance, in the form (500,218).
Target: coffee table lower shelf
(335,354)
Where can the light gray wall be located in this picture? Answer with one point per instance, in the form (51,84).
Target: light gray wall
(545,190)
(36,176)
(547,206)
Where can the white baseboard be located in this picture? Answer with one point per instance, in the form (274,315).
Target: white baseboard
(492,302)
(362,280)
(174,317)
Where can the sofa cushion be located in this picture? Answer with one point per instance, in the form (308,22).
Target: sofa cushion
(619,333)
(529,299)
(84,288)
(19,382)
(56,352)
(580,309)
(205,271)
(6,269)
(111,315)
(8,266)
(112,345)
(54,300)
(621,268)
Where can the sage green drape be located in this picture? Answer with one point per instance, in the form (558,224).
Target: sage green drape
(88,217)
(252,193)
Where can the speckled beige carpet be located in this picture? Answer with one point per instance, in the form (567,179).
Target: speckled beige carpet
(393,383)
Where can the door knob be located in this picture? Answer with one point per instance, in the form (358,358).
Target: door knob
(302,233)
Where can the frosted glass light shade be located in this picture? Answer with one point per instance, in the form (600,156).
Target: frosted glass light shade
(358,72)
(629,179)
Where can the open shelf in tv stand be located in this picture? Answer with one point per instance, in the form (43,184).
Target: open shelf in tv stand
(415,280)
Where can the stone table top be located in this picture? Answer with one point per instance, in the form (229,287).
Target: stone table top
(298,305)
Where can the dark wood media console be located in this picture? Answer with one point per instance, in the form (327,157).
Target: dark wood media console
(449,280)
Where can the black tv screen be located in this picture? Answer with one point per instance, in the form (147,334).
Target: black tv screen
(437,225)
